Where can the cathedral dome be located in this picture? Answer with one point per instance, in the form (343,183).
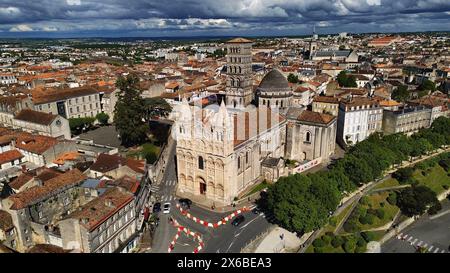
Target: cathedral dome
(275,81)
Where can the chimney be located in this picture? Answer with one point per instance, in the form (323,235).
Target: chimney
(85,220)
(108,203)
(24,168)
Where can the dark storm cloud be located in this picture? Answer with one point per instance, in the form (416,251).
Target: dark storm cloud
(210,15)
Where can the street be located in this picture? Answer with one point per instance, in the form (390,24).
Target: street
(432,233)
(224,239)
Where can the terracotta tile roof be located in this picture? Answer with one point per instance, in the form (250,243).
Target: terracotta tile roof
(314,117)
(35,117)
(9,156)
(359,101)
(52,186)
(21,180)
(62,94)
(69,156)
(106,163)
(6,222)
(34,143)
(129,183)
(326,99)
(101,208)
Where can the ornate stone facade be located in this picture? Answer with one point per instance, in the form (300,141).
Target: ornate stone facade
(219,154)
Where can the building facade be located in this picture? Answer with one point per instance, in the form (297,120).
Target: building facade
(407,120)
(358,118)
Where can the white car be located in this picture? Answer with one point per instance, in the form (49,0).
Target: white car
(166,208)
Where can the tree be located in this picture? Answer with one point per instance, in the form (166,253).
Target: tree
(415,200)
(292,78)
(346,81)
(404,175)
(400,93)
(427,85)
(129,112)
(294,206)
(78,125)
(102,118)
(156,107)
(358,171)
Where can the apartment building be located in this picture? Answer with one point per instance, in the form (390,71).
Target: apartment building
(326,105)
(102,225)
(406,120)
(69,103)
(357,119)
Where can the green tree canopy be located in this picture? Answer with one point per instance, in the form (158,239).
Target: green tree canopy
(292,78)
(345,80)
(156,107)
(415,200)
(400,93)
(129,112)
(102,118)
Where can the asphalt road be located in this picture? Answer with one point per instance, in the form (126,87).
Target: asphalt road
(225,238)
(432,233)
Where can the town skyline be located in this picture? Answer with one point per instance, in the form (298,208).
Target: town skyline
(80,18)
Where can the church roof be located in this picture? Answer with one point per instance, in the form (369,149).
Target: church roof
(274,80)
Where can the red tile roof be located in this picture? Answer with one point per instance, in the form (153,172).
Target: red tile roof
(62,94)
(52,186)
(9,156)
(34,143)
(35,117)
(106,163)
(314,117)
(102,208)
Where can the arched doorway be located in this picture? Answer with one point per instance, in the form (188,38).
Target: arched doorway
(202,185)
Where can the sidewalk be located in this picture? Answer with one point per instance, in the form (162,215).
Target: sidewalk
(275,243)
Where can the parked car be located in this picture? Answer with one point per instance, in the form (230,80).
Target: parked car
(184,202)
(238,220)
(166,208)
(156,207)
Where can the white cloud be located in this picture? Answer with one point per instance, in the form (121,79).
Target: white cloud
(49,29)
(21,28)
(9,11)
(73,2)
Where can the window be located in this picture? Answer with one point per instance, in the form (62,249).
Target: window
(200,163)
(308,137)
(246,157)
(239,162)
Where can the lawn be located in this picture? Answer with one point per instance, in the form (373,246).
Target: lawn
(435,179)
(375,201)
(257,188)
(390,182)
(148,151)
(337,219)
(366,215)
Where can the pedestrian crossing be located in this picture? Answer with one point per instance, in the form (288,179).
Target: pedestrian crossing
(170,182)
(167,198)
(154,188)
(418,243)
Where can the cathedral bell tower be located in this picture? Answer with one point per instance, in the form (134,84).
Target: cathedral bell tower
(239,89)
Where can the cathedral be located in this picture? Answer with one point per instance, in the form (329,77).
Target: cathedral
(223,150)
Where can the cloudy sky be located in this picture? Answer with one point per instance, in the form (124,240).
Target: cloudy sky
(115,18)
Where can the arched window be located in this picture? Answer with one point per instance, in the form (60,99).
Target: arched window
(239,163)
(308,137)
(200,163)
(246,157)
